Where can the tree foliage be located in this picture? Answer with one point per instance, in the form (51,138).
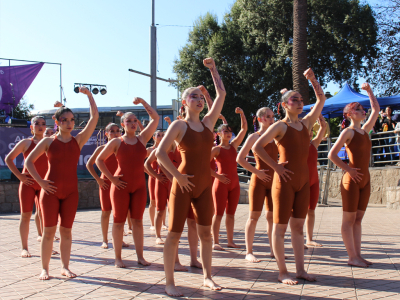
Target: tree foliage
(386,68)
(23,110)
(252,48)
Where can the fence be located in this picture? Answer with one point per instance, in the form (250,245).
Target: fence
(383,146)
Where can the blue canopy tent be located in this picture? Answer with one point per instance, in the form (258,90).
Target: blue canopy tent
(334,106)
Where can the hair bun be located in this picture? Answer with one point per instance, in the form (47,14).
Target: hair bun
(283,91)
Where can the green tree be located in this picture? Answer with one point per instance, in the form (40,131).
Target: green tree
(253,48)
(23,110)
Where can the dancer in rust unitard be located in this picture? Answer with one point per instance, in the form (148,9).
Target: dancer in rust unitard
(111,131)
(226,188)
(355,185)
(290,188)
(128,189)
(192,181)
(59,198)
(29,189)
(314,181)
(260,182)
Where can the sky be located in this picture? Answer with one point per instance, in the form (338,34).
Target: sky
(97,42)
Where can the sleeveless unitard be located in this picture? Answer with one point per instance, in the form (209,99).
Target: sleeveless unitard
(105,194)
(195,148)
(151,182)
(162,190)
(226,195)
(355,196)
(260,191)
(63,164)
(312,163)
(292,198)
(29,194)
(133,197)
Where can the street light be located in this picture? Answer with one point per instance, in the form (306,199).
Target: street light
(95,90)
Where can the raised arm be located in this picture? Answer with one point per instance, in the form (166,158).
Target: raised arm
(83,136)
(19,148)
(321,132)
(212,116)
(141,127)
(168,120)
(149,169)
(207,96)
(221,117)
(313,115)
(243,129)
(89,165)
(146,134)
(374,108)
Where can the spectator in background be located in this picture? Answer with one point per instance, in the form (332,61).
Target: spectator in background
(388,124)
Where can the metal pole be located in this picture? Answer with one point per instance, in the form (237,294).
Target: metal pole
(61,87)
(153,60)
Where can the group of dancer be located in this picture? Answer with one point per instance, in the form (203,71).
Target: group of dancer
(195,179)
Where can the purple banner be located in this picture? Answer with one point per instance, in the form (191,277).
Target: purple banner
(14,81)
(11,136)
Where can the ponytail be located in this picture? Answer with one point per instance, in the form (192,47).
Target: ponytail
(255,123)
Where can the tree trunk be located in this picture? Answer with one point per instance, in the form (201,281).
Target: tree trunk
(300,61)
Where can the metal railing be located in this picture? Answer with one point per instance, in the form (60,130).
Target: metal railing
(326,166)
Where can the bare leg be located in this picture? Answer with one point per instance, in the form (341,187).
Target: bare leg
(128,219)
(46,248)
(310,221)
(357,232)
(349,219)
(204,233)
(269,217)
(278,242)
(249,235)
(216,225)
(138,240)
(178,266)
(65,250)
(38,222)
(170,250)
(164,226)
(296,227)
(105,220)
(230,225)
(24,232)
(160,216)
(118,235)
(152,212)
(193,240)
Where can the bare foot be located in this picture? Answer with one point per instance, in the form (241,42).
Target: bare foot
(211,284)
(104,245)
(125,233)
(125,245)
(357,263)
(313,244)
(159,241)
(56,238)
(25,253)
(152,228)
(366,261)
(44,275)
(39,238)
(164,227)
(304,275)
(233,245)
(251,258)
(287,279)
(119,263)
(218,247)
(143,262)
(67,273)
(129,231)
(196,264)
(172,291)
(272,255)
(54,252)
(305,247)
(179,268)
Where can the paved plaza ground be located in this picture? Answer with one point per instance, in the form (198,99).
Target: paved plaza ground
(99,279)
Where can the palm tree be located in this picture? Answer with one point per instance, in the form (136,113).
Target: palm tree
(300,61)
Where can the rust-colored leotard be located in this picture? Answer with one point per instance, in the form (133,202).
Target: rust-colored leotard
(195,148)
(151,183)
(355,196)
(292,197)
(260,191)
(105,194)
(312,163)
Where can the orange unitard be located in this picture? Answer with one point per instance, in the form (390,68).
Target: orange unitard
(195,148)
(162,190)
(151,182)
(63,165)
(260,191)
(29,194)
(105,194)
(226,195)
(355,196)
(313,175)
(133,197)
(291,198)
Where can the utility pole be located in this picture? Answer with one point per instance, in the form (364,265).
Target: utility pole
(153,60)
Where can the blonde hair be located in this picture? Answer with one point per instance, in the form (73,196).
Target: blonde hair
(126,115)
